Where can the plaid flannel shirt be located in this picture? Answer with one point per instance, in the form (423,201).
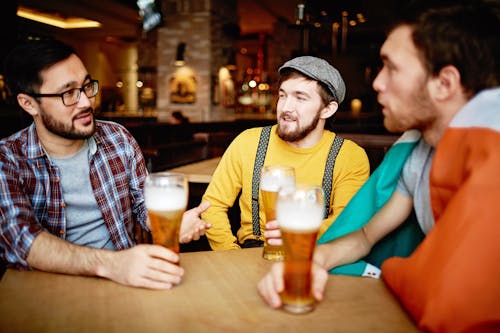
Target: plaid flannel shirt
(31,194)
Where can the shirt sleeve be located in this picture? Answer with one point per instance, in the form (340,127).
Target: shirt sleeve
(137,176)
(402,187)
(18,224)
(351,171)
(413,169)
(222,192)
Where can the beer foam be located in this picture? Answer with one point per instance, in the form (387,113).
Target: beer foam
(273,183)
(303,216)
(170,198)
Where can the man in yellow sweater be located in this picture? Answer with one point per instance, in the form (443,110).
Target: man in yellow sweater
(310,91)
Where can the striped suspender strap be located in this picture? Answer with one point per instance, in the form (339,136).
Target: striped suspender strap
(259,163)
(260,156)
(328,175)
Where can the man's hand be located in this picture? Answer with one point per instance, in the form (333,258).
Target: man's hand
(192,226)
(273,233)
(272,284)
(146,266)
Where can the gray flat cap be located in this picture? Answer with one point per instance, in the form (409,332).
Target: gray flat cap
(319,70)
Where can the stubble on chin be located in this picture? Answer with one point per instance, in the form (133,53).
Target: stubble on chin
(69,131)
(284,131)
(295,132)
(88,131)
(389,125)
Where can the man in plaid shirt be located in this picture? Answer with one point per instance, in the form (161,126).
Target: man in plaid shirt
(70,185)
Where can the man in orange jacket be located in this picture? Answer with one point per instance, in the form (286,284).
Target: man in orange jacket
(441,77)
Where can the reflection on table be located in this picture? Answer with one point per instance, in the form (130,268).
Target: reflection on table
(218,294)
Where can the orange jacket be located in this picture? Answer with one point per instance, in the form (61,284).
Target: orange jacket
(451,283)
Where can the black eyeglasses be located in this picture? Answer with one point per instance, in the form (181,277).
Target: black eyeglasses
(72,96)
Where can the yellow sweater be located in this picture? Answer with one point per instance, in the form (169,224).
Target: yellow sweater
(235,170)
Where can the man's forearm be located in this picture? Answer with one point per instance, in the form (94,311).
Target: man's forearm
(341,251)
(52,254)
(356,245)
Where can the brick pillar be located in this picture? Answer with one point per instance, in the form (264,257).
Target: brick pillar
(200,25)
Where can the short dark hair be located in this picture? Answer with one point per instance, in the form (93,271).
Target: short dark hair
(464,34)
(25,62)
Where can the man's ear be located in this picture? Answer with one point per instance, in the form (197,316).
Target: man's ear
(28,103)
(329,110)
(446,83)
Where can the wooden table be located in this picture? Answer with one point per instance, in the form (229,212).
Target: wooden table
(199,172)
(218,294)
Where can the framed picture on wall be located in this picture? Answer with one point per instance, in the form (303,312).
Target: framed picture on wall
(183,86)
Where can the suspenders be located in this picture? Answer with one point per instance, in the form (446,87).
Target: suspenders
(328,175)
(260,156)
(259,163)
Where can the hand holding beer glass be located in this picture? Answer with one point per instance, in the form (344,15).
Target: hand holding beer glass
(166,196)
(272,179)
(300,214)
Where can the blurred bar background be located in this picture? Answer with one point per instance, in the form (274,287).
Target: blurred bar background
(186,76)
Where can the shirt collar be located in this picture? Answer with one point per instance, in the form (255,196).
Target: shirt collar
(92,141)
(34,146)
(35,149)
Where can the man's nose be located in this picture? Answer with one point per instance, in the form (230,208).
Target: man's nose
(288,104)
(84,101)
(378,84)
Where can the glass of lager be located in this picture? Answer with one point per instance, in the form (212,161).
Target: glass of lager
(166,196)
(300,214)
(272,179)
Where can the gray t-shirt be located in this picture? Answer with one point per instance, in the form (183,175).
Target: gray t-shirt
(84,222)
(414,182)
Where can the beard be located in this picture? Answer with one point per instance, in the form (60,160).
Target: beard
(419,107)
(68,131)
(298,132)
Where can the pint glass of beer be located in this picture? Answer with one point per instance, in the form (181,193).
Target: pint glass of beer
(300,213)
(166,196)
(272,179)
